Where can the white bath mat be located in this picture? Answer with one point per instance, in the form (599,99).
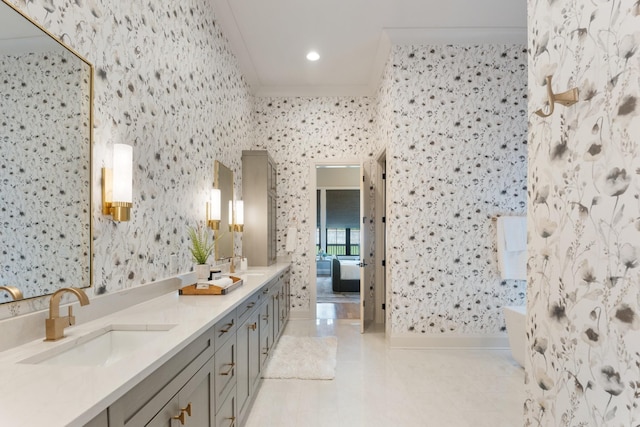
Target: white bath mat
(305,358)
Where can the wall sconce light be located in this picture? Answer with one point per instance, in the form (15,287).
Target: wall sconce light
(117,184)
(236,216)
(214,211)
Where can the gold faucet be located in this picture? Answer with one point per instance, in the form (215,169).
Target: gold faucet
(55,324)
(13,291)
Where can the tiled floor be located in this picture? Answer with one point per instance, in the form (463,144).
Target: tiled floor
(380,387)
(344,310)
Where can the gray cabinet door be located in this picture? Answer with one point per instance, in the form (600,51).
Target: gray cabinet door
(194,402)
(266,331)
(248,361)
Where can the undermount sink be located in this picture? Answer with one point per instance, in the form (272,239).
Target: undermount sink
(102,347)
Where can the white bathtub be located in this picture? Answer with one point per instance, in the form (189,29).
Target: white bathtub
(515,318)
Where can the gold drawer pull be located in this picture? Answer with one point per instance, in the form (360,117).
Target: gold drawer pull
(231,365)
(233,421)
(253,326)
(253,303)
(227,329)
(265,291)
(181,417)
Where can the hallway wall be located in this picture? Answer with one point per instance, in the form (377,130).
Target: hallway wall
(297,132)
(453,119)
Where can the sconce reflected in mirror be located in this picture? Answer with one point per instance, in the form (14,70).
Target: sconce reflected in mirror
(214,211)
(223,180)
(236,215)
(117,184)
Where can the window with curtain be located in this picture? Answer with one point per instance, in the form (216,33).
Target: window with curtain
(343,222)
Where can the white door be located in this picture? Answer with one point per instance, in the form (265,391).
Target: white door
(367,267)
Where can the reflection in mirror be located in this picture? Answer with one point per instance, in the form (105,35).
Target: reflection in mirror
(223,180)
(45,160)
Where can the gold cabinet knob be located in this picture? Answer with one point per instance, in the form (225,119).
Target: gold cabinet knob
(253,326)
(181,416)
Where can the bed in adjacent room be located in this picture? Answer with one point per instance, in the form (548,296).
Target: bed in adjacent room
(345,275)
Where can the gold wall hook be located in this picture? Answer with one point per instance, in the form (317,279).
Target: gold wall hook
(567,98)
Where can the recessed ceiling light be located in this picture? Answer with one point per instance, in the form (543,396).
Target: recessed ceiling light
(313,56)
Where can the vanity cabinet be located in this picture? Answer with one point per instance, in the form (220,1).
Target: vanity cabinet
(212,381)
(259,193)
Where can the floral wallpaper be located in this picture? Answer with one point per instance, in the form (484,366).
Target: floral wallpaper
(297,132)
(454,122)
(167,83)
(583,329)
(43,244)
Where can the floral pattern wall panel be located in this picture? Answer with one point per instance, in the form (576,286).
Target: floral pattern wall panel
(297,132)
(44,157)
(454,122)
(583,329)
(167,83)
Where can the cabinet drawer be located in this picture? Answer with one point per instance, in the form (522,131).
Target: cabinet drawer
(225,380)
(225,328)
(226,416)
(247,307)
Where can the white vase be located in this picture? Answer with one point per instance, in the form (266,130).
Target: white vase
(202,271)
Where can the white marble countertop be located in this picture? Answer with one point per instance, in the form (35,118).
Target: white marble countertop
(47,395)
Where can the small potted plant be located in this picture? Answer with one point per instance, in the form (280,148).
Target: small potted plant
(201,247)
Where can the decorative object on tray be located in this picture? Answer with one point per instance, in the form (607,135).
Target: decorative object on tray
(221,286)
(202,246)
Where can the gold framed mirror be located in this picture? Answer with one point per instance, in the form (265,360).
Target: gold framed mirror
(46,116)
(223,180)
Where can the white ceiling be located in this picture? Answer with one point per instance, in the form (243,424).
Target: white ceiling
(18,35)
(272,37)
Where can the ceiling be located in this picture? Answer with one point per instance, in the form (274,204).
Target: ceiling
(353,37)
(18,35)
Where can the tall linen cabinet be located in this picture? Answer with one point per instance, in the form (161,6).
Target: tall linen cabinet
(259,177)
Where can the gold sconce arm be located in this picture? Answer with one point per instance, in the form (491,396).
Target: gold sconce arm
(566,98)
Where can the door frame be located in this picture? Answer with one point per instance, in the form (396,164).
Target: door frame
(381,240)
(313,187)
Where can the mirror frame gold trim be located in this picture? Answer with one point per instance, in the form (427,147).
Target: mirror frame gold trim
(91,113)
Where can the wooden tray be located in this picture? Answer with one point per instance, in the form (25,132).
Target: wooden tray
(213,290)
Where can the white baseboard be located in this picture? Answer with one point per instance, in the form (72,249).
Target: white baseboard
(497,341)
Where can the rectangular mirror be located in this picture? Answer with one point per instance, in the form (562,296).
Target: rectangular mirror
(45,159)
(223,180)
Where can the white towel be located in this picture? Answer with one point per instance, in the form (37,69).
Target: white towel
(222,282)
(512,264)
(515,232)
(292,237)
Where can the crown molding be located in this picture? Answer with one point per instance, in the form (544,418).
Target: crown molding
(457,36)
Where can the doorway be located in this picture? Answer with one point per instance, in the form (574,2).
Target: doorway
(337,241)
